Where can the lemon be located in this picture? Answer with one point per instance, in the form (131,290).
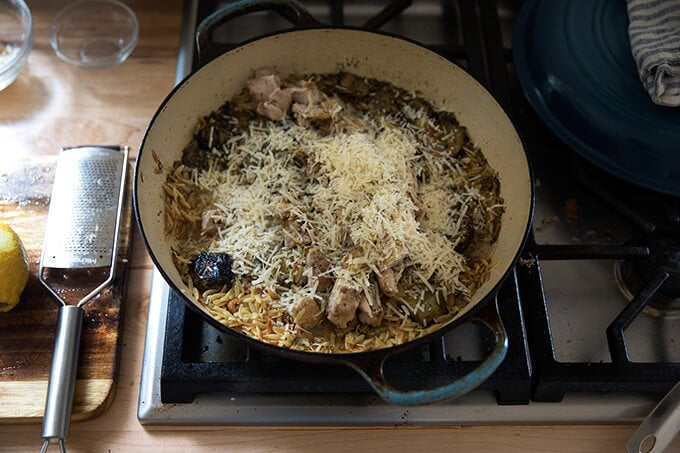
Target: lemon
(13,268)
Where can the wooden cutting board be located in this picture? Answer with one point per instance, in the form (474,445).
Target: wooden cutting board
(27,332)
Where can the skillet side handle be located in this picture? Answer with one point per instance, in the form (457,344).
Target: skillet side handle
(372,370)
(289,9)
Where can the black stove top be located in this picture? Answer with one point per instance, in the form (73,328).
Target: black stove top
(584,219)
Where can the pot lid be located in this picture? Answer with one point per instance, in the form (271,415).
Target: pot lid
(576,69)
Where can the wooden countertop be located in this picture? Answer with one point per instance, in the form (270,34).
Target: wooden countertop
(52,105)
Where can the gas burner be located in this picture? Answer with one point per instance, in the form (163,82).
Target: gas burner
(633,274)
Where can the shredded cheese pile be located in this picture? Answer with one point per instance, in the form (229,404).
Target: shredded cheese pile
(355,191)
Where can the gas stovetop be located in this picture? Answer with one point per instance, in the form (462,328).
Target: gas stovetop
(591,316)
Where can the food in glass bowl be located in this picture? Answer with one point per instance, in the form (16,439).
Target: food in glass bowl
(16,39)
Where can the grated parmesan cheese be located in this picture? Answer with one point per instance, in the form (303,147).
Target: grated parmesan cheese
(360,195)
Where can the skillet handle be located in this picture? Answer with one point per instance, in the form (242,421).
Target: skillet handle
(372,370)
(289,9)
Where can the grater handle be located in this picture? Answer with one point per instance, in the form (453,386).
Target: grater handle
(62,381)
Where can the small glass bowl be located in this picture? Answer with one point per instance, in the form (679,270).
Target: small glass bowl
(94,33)
(16,39)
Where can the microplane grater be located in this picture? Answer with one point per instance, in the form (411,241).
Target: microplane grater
(84,208)
(81,232)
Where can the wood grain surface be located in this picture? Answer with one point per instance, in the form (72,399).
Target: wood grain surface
(52,105)
(27,332)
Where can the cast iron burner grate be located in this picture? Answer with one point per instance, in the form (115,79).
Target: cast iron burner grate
(651,259)
(661,265)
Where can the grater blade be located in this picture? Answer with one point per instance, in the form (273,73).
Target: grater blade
(83,217)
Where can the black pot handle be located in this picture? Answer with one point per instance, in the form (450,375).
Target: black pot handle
(290,9)
(372,370)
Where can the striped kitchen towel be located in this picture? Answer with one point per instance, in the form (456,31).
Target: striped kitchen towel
(654,31)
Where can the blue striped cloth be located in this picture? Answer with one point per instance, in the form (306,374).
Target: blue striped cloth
(654,31)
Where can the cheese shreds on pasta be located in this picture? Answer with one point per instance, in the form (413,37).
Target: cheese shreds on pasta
(350,225)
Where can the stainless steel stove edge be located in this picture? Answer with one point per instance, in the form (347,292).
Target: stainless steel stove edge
(476,408)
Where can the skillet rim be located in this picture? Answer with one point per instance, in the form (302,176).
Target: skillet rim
(345,357)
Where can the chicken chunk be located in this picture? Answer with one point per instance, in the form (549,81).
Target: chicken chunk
(371,310)
(390,273)
(306,102)
(388,280)
(306,313)
(306,93)
(265,87)
(343,302)
(263,84)
(276,105)
(310,104)
(325,110)
(317,265)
